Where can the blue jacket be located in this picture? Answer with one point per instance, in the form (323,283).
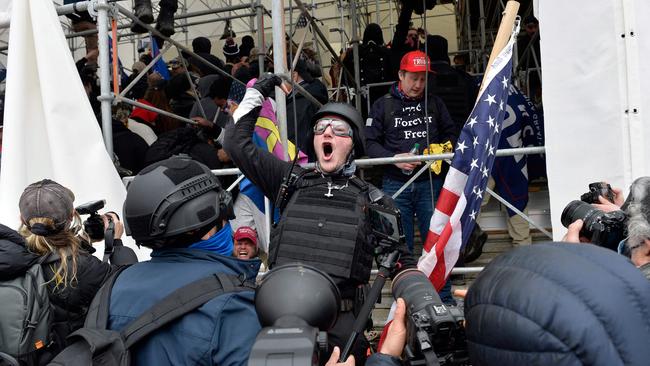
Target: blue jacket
(559,304)
(221,332)
(396,123)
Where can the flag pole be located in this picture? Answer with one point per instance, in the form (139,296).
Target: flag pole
(116,83)
(503,35)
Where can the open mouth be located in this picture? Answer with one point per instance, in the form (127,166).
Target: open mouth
(327,150)
(242,254)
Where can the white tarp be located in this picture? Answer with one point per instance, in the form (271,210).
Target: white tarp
(49,127)
(591,77)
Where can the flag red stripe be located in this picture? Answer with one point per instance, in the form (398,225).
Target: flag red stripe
(447,201)
(383,335)
(432,238)
(437,275)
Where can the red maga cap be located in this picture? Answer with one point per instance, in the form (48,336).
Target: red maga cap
(415,61)
(246,232)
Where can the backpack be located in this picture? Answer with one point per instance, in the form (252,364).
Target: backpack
(25,315)
(95,345)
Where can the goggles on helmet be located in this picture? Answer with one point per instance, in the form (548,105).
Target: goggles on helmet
(339,128)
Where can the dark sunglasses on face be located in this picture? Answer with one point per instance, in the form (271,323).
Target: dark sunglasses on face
(339,128)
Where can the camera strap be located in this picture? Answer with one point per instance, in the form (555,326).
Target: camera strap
(109,239)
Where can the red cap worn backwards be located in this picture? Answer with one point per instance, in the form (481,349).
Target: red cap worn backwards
(415,61)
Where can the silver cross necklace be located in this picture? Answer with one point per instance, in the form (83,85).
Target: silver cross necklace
(337,187)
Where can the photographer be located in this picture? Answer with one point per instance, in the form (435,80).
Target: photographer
(637,208)
(50,234)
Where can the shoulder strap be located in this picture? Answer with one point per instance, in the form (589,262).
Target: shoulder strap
(48,258)
(359,183)
(388,107)
(97,316)
(181,302)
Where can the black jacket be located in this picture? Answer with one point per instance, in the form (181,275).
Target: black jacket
(559,304)
(129,147)
(184,140)
(70,304)
(202,67)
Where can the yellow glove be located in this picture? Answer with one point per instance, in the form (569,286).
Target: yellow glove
(435,149)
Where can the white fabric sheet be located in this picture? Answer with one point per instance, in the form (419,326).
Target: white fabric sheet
(591,76)
(49,127)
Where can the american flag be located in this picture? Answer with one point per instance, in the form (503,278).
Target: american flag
(460,200)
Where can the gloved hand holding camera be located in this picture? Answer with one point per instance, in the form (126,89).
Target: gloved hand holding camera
(97,225)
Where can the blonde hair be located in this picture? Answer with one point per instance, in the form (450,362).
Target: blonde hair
(64,243)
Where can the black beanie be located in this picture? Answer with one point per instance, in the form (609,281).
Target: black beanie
(230,48)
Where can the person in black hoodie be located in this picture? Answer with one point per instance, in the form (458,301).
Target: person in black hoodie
(374,61)
(50,226)
(202,47)
(455,87)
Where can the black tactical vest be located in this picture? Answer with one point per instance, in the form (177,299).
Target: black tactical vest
(327,229)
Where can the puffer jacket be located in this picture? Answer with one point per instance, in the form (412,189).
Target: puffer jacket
(559,304)
(70,304)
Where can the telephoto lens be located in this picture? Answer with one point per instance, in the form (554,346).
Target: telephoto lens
(603,229)
(579,210)
(430,324)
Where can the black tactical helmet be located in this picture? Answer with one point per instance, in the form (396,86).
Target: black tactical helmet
(350,115)
(171,198)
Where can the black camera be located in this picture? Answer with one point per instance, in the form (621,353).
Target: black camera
(386,226)
(296,304)
(598,189)
(94,225)
(435,331)
(603,229)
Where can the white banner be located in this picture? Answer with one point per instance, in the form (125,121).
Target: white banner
(49,127)
(593,88)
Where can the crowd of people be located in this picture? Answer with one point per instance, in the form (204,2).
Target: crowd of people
(178,208)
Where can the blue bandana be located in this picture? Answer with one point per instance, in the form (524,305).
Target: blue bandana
(219,243)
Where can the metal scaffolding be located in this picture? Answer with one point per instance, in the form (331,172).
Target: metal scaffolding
(105,10)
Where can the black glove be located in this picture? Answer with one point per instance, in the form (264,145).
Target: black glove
(267,83)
